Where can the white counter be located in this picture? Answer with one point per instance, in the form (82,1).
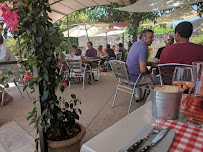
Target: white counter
(116,136)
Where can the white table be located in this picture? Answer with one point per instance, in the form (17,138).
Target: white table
(117,136)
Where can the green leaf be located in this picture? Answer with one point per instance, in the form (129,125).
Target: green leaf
(6,86)
(52,106)
(29,117)
(71,105)
(67,105)
(34,28)
(80,111)
(73,96)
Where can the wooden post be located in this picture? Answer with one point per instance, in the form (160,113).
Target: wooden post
(68,26)
(42,136)
(106,39)
(87,33)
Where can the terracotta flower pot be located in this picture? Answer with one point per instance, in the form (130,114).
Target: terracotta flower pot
(70,145)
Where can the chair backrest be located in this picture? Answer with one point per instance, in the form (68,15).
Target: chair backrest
(75,66)
(118,56)
(120,69)
(126,55)
(166,72)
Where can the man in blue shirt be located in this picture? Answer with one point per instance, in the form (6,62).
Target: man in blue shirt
(137,61)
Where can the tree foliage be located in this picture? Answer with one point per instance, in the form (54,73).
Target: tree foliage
(41,39)
(158,29)
(108,14)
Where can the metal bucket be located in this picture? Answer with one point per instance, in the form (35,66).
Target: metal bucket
(166,105)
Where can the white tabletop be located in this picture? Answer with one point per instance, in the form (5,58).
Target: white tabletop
(118,135)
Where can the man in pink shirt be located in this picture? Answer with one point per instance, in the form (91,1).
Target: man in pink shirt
(182,51)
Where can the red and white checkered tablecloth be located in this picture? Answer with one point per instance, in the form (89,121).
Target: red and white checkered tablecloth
(187,138)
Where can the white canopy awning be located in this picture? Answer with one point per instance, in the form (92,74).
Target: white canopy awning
(183,13)
(86,29)
(154,5)
(110,32)
(61,8)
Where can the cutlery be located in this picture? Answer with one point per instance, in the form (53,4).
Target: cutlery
(155,130)
(154,141)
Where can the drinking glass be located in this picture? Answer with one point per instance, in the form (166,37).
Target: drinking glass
(183,78)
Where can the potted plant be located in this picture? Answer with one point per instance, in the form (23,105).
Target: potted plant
(28,20)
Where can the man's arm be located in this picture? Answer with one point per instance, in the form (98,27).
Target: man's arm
(143,56)
(143,67)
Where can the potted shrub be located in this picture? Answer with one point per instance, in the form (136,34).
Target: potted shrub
(28,20)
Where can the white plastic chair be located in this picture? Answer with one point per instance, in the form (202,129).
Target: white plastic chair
(119,56)
(77,71)
(120,71)
(17,77)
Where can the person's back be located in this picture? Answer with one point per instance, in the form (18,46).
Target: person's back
(122,50)
(110,51)
(183,51)
(138,52)
(77,56)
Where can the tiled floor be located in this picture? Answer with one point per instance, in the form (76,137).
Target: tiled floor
(97,114)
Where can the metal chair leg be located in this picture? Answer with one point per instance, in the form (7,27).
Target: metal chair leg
(2,102)
(19,91)
(131,100)
(83,81)
(97,73)
(91,77)
(115,96)
(69,81)
(28,94)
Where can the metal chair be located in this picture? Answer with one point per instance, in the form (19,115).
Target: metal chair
(125,58)
(119,56)
(16,78)
(66,73)
(96,68)
(78,71)
(120,70)
(166,72)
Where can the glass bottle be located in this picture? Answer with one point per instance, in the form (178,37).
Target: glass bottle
(194,105)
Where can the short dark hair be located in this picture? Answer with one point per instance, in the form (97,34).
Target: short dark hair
(108,46)
(90,43)
(144,33)
(1,39)
(74,46)
(78,52)
(184,29)
(120,45)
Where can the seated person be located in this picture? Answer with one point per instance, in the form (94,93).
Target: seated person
(169,40)
(73,47)
(110,52)
(91,52)
(182,51)
(137,61)
(100,51)
(104,52)
(7,55)
(114,48)
(78,56)
(122,50)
